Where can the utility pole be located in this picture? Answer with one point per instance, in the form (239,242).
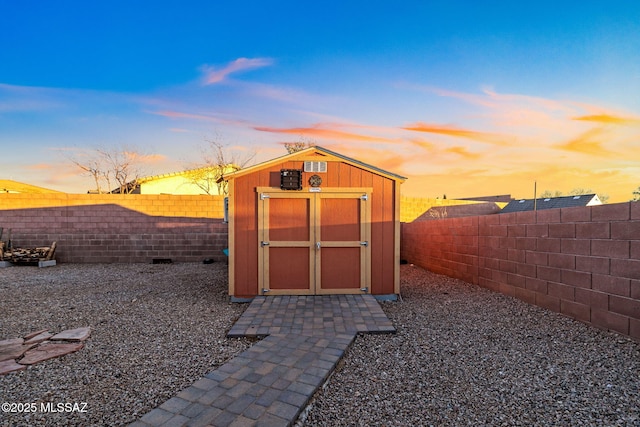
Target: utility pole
(535,195)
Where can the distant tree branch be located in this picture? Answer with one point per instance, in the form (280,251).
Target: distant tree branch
(575,192)
(105,166)
(218,159)
(302,144)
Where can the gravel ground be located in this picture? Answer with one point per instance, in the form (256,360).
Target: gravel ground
(462,355)
(465,356)
(155,330)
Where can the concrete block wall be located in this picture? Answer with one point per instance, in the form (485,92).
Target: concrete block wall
(448,247)
(583,262)
(117,228)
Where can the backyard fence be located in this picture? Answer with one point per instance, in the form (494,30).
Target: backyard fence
(115,227)
(583,262)
(132,227)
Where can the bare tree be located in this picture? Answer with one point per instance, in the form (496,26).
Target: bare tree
(110,167)
(217,159)
(549,194)
(91,167)
(575,192)
(124,166)
(294,147)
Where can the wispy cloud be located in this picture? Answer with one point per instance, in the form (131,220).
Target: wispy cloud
(196,116)
(425,145)
(41,166)
(492,99)
(463,152)
(533,101)
(589,143)
(384,158)
(608,119)
(454,131)
(150,159)
(28,98)
(181,115)
(214,75)
(324,131)
(280,93)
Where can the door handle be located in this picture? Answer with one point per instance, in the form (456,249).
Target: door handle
(318,246)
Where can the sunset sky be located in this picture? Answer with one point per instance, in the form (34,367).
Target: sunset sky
(465,98)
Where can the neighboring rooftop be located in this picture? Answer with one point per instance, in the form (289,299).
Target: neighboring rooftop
(500,198)
(193,181)
(522,205)
(458,211)
(9,186)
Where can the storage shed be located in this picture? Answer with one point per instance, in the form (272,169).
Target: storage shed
(311,223)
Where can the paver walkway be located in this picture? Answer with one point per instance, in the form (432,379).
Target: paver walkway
(270,383)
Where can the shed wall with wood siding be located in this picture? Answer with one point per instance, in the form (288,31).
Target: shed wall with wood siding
(384,220)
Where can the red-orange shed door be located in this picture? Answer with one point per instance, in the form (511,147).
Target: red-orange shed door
(314,243)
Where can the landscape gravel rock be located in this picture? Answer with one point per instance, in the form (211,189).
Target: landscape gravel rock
(466,356)
(155,329)
(462,355)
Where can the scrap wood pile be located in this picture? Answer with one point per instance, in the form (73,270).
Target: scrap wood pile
(24,255)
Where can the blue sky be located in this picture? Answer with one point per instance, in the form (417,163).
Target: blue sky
(464,98)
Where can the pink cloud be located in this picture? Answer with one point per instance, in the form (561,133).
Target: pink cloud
(149,159)
(214,76)
(325,131)
(41,166)
(454,131)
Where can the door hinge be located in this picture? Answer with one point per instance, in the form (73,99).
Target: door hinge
(264,196)
(364,289)
(364,243)
(364,197)
(263,243)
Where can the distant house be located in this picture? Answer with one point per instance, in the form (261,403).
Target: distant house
(188,182)
(501,198)
(458,211)
(9,186)
(523,205)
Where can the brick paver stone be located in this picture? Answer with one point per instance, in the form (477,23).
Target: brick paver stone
(270,383)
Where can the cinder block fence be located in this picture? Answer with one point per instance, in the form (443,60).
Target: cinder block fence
(583,262)
(117,228)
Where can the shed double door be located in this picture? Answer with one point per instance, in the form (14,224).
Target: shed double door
(313,243)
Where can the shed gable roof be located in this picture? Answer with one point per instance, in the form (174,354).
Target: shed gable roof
(306,155)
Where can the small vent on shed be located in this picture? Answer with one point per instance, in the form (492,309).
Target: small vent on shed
(317,167)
